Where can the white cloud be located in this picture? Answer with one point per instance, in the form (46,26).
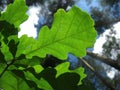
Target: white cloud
(98,47)
(28,26)
(117,29)
(111,73)
(102,39)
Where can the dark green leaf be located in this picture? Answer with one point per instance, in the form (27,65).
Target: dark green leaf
(64,67)
(67,81)
(41,83)
(7,29)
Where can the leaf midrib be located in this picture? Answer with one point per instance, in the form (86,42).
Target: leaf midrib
(57,41)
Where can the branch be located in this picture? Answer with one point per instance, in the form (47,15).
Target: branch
(5,69)
(98,75)
(106,60)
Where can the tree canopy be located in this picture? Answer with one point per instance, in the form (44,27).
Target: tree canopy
(21,58)
(105,15)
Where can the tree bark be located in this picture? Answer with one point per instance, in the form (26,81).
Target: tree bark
(111,87)
(106,60)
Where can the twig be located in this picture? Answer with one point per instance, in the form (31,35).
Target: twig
(5,69)
(98,75)
(106,60)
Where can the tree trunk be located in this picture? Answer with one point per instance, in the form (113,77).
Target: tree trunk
(111,87)
(108,61)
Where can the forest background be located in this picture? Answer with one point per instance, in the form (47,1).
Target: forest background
(103,70)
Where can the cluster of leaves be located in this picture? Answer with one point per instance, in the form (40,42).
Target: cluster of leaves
(21,58)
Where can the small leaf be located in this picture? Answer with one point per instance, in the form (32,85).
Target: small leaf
(42,83)
(5,50)
(13,45)
(38,68)
(67,81)
(80,71)
(64,67)
(7,29)
(15,13)
(13,37)
(71,32)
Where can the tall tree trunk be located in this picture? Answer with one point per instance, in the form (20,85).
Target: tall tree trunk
(111,87)
(108,61)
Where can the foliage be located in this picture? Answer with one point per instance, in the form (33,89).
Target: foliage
(21,58)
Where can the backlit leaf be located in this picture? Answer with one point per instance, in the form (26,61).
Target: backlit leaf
(5,50)
(64,67)
(15,13)
(71,32)
(41,83)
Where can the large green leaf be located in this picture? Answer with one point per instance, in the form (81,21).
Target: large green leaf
(15,13)
(71,32)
